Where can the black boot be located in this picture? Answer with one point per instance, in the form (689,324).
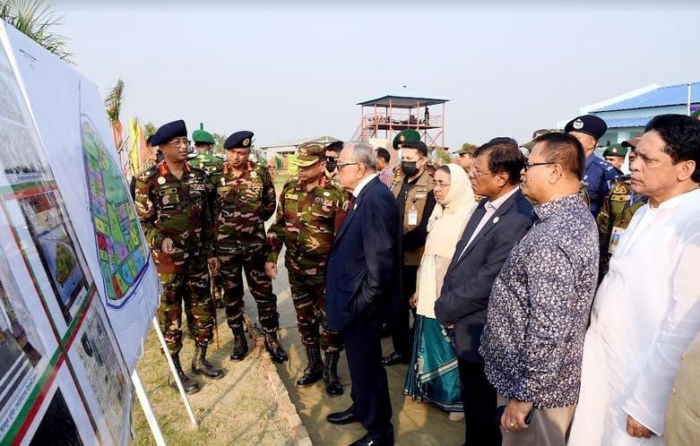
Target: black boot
(330,374)
(240,345)
(188,384)
(201,366)
(314,370)
(272,345)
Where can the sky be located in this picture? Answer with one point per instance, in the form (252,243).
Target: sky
(290,72)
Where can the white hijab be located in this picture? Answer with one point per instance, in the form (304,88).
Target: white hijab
(445,227)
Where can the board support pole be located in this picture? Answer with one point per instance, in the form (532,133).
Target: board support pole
(147,409)
(185,401)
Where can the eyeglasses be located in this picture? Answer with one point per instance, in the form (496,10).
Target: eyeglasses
(476,173)
(180,142)
(341,165)
(440,185)
(529,165)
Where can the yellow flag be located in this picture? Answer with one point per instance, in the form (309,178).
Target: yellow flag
(134,138)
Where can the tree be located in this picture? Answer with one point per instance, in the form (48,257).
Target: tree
(36,18)
(149,129)
(219,140)
(113,104)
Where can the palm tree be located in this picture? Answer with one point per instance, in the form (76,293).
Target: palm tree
(113,104)
(35,18)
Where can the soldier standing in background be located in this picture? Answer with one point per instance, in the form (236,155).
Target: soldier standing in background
(172,202)
(245,199)
(204,158)
(332,152)
(615,154)
(617,211)
(309,215)
(599,173)
(413,189)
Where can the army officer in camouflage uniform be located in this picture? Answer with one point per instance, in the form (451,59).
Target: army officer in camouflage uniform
(173,207)
(617,211)
(309,215)
(245,199)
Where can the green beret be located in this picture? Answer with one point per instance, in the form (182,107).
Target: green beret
(615,150)
(202,136)
(405,136)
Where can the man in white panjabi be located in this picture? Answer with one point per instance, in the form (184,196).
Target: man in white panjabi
(647,310)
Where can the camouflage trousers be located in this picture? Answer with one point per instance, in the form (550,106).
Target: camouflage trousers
(192,288)
(309,297)
(259,284)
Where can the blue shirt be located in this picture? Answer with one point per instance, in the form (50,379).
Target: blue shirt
(597,178)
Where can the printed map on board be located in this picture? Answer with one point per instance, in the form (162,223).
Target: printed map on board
(119,244)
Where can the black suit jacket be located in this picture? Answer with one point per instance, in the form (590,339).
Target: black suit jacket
(465,292)
(364,261)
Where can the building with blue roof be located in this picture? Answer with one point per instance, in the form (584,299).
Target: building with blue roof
(627,115)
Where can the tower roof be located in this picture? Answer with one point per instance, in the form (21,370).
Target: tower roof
(404,98)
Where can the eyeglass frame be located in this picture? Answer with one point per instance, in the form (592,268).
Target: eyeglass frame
(440,184)
(528,165)
(340,164)
(179,141)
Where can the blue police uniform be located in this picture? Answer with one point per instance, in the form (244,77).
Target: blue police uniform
(597,178)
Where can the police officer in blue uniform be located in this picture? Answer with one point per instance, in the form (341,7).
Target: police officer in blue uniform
(599,173)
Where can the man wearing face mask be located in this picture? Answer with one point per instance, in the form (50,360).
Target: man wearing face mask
(332,152)
(413,190)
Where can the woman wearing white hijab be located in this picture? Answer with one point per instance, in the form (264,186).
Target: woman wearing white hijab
(432,374)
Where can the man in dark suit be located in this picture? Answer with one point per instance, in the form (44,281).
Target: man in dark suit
(363,269)
(498,223)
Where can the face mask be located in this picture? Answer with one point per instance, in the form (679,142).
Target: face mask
(409,168)
(331,164)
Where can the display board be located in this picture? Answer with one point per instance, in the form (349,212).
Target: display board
(77,286)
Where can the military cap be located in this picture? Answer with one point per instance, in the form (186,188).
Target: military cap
(239,140)
(166,132)
(202,136)
(615,150)
(405,136)
(588,124)
(632,142)
(309,154)
(467,149)
(536,134)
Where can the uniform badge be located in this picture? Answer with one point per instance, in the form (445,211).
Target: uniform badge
(253,174)
(246,142)
(402,138)
(201,165)
(161,180)
(578,124)
(496,220)
(326,194)
(223,181)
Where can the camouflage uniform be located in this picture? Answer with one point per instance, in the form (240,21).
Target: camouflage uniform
(614,217)
(178,209)
(242,205)
(208,162)
(307,222)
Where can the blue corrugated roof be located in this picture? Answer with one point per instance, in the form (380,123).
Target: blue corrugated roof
(661,97)
(616,123)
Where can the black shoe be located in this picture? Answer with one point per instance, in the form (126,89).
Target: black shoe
(330,375)
(188,384)
(314,369)
(201,366)
(273,347)
(240,345)
(394,358)
(368,440)
(345,417)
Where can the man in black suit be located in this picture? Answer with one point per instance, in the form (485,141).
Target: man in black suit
(502,218)
(363,269)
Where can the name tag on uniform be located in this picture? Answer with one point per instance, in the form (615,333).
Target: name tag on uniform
(291,197)
(620,198)
(169,191)
(413,217)
(223,189)
(197,187)
(615,237)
